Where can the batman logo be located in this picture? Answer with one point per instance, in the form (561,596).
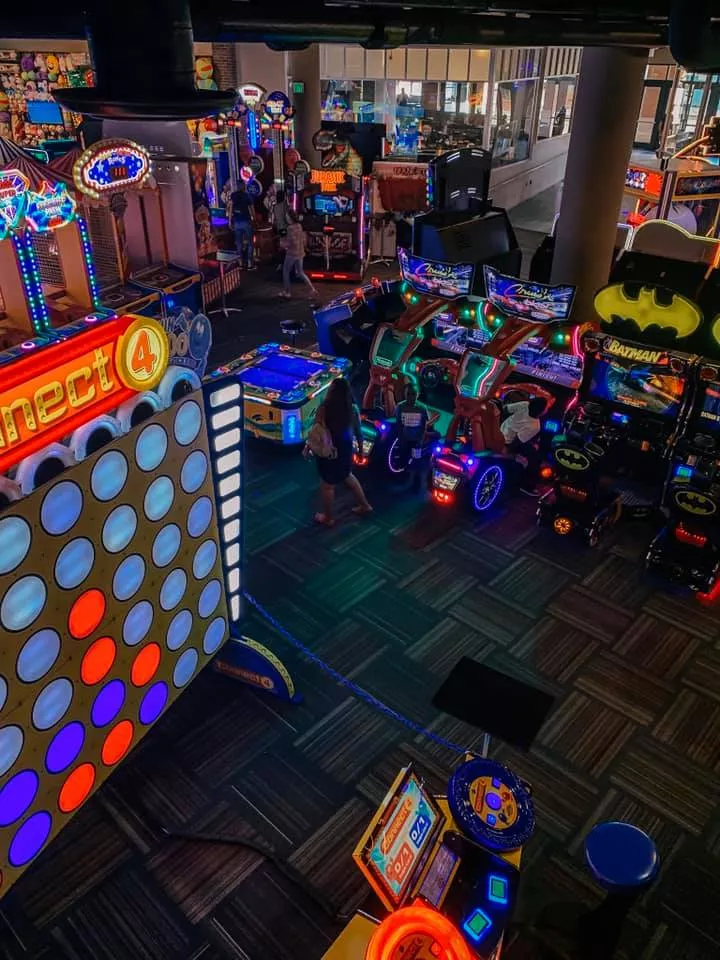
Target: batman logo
(682,315)
(696,503)
(715,332)
(571,459)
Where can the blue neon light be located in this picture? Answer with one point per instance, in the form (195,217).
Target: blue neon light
(476,925)
(291,429)
(551,426)
(497,889)
(684,471)
(620,418)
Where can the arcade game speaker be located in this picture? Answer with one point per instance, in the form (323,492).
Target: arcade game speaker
(144,65)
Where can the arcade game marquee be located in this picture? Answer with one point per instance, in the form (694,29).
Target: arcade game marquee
(444,870)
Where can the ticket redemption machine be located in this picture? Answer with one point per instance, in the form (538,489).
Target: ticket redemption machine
(133,232)
(445,869)
(47,277)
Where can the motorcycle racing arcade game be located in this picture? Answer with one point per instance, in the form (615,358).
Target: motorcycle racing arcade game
(686,552)
(635,392)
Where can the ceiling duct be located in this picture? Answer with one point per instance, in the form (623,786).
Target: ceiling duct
(694,37)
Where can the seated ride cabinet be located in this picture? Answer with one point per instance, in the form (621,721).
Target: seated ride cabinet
(581,501)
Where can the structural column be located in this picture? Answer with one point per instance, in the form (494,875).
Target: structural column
(604,119)
(305,68)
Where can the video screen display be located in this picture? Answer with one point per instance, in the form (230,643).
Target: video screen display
(637,385)
(399,846)
(454,338)
(327,205)
(531,301)
(44,111)
(538,360)
(448,280)
(710,413)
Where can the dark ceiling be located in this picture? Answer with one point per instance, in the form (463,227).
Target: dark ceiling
(691,27)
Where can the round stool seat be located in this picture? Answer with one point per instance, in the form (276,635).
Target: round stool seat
(292,327)
(621,856)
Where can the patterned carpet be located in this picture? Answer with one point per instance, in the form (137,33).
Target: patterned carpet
(393,602)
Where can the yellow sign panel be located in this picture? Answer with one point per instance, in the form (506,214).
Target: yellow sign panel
(682,315)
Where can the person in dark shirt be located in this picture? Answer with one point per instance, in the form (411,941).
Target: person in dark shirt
(242,224)
(412,419)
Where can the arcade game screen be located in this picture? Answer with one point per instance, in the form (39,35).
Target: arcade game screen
(455,338)
(280,372)
(405,832)
(710,413)
(637,385)
(330,206)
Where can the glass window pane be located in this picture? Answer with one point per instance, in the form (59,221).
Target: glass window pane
(514,109)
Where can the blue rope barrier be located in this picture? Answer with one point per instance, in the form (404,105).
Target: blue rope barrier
(353,687)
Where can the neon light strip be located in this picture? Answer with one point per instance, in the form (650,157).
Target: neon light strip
(449,465)
(484,379)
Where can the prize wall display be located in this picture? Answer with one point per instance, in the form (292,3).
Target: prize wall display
(112,599)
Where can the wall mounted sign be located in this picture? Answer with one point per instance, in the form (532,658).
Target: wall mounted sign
(539,302)
(647,182)
(110,166)
(251,93)
(446,280)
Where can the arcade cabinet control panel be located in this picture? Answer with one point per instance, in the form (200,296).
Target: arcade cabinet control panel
(446,868)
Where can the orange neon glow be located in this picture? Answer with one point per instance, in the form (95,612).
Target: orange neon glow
(145,665)
(97,661)
(117,743)
(76,788)
(86,614)
(328,179)
(397,933)
(55,389)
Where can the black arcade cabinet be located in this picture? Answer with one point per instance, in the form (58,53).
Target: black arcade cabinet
(462,225)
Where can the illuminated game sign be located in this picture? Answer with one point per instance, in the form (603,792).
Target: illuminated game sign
(51,207)
(13,196)
(617,348)
(47,395)
(647,182)
(539,302)
(707,186)
(329,180)
(397,840)
(110,166)
(278,109)
(681,315)
(251,93)
(447,280)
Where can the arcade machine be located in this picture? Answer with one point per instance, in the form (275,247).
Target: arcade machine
(634,398)
(47,276)
(128,215)
(332,206)
(683,189)
(686,551)
(444,869)
(282,388)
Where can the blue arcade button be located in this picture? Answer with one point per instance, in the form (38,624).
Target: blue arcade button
(498,888)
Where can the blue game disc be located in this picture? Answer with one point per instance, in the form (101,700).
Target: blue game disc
(491,805)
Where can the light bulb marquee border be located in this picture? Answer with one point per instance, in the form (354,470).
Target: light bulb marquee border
(93,169)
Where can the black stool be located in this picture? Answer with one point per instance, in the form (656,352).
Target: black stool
(293,329)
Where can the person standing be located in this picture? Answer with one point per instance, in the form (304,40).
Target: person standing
(294,245)
(242,224)
(341,419)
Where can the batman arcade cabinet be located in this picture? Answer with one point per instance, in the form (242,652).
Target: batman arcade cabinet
(634,398)
(686,552)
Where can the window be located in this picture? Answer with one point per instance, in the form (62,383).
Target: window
(556,107)
(513,109)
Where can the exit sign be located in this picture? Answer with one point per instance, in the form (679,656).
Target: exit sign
(298,86)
